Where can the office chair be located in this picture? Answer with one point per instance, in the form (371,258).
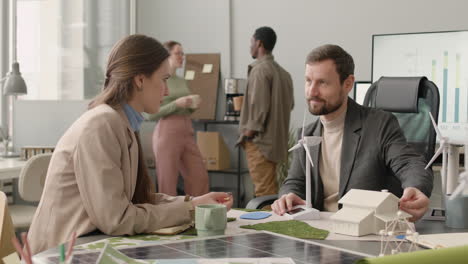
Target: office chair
(30,185)
(409,99)
(7,231)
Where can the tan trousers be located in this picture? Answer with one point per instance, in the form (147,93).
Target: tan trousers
(262,171)
(176,151)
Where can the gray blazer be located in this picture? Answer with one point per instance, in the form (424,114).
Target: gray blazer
(374,156)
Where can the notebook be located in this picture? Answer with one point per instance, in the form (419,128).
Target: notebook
(444,240)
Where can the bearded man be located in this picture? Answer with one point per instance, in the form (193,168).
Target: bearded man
(362,148)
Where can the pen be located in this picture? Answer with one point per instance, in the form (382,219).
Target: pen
(62,253)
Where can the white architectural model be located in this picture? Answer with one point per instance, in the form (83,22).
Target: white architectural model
(397,228)
(306,212)
(366,212)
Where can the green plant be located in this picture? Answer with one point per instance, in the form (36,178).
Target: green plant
(282,168)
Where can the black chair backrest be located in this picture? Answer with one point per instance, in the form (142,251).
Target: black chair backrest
(410,99)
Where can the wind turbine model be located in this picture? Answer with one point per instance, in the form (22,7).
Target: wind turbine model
(456,217)
(461,188)
(301,212)
(450,167)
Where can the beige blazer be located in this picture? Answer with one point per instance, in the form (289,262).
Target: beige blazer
(91,181)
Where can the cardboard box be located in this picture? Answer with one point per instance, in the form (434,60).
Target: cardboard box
(214,151)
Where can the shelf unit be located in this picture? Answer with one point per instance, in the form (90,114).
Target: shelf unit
(234,171)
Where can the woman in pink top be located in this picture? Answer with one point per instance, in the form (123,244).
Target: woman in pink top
(174,145)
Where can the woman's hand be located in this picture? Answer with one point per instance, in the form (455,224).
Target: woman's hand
(214,198)
(184,102)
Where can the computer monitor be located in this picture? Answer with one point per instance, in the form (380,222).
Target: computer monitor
(360,90)
(440,56)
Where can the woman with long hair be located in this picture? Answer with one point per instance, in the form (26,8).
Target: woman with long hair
(174,145)
(97,179)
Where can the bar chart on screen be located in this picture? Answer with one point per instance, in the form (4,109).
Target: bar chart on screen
(440,56)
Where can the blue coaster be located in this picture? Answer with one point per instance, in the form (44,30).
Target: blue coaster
(255,215)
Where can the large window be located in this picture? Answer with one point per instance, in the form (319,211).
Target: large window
(62,46)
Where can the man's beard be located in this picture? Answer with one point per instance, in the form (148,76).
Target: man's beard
(325,109)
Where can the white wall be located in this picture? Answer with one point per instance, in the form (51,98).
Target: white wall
(302,25)
(226,26)
(201,26)
(42,123)
(4,55)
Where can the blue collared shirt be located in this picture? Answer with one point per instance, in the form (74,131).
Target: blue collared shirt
(134,117)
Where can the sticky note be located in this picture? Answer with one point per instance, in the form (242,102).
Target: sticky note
(255,215)
(189,75)
(13,258)
(207,68)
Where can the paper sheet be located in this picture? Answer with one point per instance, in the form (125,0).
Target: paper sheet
(207,68)
(110,255)
(13,258)
(454,255)
(189,75)
(442,240)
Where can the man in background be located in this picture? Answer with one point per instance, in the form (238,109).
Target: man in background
(265,113)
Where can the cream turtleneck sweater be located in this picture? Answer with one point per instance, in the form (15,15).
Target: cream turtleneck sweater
(330,160)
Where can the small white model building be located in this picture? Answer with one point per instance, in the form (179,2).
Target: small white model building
(366,212)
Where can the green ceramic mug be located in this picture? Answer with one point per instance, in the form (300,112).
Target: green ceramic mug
(210,219)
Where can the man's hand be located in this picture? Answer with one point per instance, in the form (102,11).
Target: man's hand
(414,202)
(285,203)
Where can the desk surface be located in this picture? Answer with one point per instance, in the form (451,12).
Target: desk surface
(11,164)
(362,247)
(10,168)
(253,245)
(423,227)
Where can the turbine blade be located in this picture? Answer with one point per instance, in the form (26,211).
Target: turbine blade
(294,147)
(460,188)
(441,148)
(309,157)
(435,126)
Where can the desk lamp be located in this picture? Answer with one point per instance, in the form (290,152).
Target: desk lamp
(14,82)
(14,85)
